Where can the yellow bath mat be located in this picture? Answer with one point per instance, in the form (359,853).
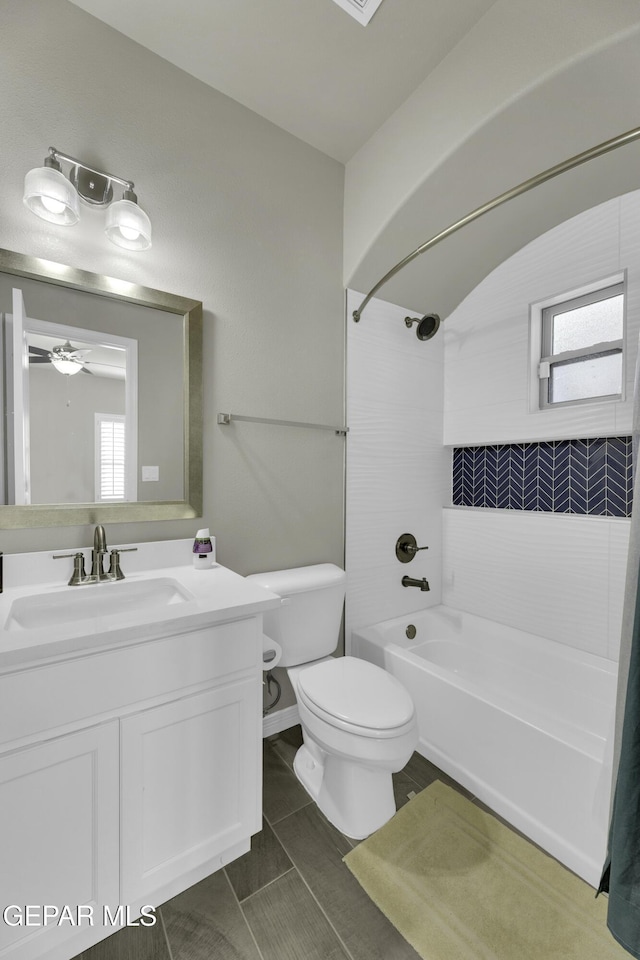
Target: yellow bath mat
(459,885)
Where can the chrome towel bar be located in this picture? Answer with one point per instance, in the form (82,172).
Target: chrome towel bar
(228,417)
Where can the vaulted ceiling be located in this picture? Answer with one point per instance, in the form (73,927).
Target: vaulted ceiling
(435,107)
(306,65)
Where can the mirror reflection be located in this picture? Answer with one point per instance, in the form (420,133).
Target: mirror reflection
(76,422)
(101,398)
(96,414)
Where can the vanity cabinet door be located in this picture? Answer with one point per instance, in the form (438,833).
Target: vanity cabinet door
(59,835)
(190,785)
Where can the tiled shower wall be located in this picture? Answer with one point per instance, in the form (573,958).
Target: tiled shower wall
(554,575)
(551,573)
(486,386)
(397,468)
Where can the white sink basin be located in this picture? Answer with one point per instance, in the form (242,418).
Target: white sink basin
(94,602)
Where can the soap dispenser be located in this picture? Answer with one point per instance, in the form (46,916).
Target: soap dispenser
(203,550)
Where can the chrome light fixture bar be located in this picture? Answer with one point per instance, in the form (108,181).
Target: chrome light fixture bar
(620,141)
(54,196)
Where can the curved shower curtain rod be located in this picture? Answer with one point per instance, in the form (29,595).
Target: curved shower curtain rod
(559,168)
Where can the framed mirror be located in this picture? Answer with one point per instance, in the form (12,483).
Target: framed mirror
(101,386)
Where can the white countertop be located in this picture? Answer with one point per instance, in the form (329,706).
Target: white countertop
(213,596)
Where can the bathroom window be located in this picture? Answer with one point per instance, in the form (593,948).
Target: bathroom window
(110,457)
(582,347)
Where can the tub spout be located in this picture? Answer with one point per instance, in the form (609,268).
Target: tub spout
(410,582)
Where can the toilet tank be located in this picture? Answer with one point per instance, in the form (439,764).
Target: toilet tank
(307,625)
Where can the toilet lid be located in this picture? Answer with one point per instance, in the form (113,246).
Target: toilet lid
(356,692)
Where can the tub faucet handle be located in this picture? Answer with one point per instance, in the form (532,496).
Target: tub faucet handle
(407,547)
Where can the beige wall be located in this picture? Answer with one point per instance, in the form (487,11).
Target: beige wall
(246,218)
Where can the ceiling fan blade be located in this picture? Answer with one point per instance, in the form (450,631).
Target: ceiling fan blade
(39,360)
(38,351)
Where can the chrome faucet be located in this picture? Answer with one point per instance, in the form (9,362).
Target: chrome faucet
(98,574)
(410,582)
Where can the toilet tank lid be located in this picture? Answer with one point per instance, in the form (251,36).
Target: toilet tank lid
(316,576)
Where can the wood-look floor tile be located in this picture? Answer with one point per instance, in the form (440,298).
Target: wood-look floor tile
(424,772)
(317,848)
(282,792)
(286,743)
(131,943)
(205,922)
(266,861)
(403,785)
(288,924)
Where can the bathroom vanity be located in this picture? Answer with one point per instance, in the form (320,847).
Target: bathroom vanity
(130,739)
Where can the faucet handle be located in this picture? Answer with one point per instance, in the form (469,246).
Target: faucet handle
(407,547)
(115,569)
(78,576)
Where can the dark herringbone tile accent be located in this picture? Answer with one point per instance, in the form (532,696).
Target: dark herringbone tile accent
(592,476)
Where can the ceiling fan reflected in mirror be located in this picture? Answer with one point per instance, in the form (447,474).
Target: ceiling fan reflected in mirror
(66,359)
(106,360)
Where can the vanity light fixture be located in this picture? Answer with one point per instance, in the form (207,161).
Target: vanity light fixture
(54,196)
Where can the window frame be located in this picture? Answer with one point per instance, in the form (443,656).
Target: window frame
(545,359)
(99,420)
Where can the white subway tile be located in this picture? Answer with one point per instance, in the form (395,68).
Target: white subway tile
(544,573)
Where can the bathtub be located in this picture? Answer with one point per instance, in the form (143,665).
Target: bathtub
(519,720)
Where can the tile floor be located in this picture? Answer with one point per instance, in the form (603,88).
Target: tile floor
(290,898)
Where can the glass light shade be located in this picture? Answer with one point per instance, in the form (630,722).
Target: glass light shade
(128,225)
(49,195)
(68,366)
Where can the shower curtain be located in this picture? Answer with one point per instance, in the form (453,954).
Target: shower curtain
(621,872)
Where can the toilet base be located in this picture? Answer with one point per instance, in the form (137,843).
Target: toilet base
(356,798)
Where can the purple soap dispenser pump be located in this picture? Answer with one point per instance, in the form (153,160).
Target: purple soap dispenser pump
(203,551)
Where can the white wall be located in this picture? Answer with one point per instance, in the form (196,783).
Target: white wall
(397,468)
(487,337)
(555,575)
(246,218)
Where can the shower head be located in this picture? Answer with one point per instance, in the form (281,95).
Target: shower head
(427,326)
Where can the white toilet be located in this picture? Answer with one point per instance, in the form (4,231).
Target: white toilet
(358,722)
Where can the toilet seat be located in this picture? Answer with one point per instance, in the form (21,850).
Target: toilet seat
(356,696)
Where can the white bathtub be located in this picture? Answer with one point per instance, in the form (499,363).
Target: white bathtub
(519,720)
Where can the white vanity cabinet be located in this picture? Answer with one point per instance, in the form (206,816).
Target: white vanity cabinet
(127,773)
(188,785)
(59,827)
